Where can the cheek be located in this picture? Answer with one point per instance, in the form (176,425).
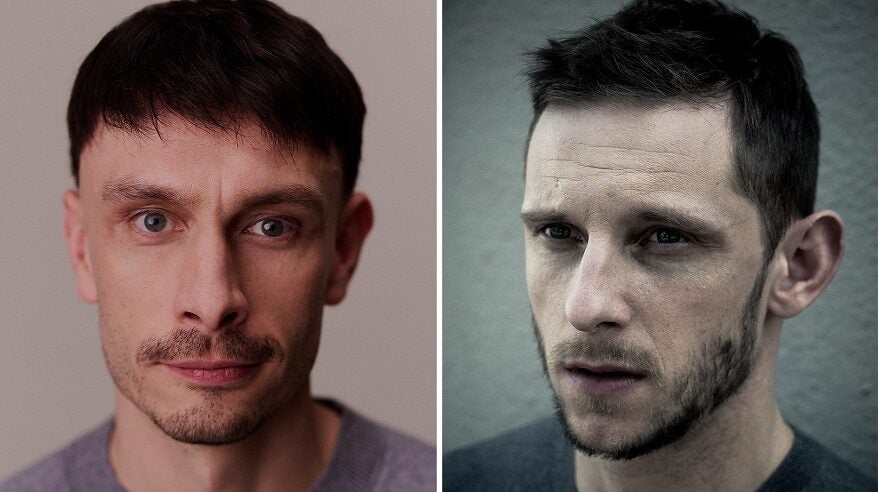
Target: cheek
(287,286)
(542,281)
(130,312)
(135,285)
(135,303)
(680,313)
(548,281)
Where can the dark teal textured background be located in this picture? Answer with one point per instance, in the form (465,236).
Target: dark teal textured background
(827,370)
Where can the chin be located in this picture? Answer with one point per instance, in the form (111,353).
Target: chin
(611,430)
(601,434)
(212,423)
(209,416)
(608,441)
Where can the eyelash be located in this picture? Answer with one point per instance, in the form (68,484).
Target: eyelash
(292,226)
(574,234)
(644,241)
(684,237)
(172,221)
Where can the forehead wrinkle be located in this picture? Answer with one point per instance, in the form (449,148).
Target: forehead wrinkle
(625,170)
(130,188)
(571,177)
(579,155)
(573,153)
(589,146)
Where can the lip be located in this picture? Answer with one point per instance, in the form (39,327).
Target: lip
(604,380)
(212,373)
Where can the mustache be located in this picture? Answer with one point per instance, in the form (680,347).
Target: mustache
(601,349)
(234,344)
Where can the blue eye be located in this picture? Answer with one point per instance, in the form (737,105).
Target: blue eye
(152,221)
(271,227)
(559,232)
(666,236)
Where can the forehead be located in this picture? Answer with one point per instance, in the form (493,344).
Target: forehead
(212,164)
(611,156)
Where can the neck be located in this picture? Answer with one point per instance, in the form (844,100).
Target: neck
(736,447)
(280,455)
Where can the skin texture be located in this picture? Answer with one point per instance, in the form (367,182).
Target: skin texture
(168,236)
(641,254)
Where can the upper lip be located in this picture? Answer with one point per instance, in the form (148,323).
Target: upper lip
(208,364)
(602,367)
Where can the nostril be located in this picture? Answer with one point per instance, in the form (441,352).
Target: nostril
(229,318)
(191,315)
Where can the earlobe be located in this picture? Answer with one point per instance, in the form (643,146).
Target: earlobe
(77,247)
(354,225)
(808,257)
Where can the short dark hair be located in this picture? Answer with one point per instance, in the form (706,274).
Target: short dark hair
(700,51)
(220,64)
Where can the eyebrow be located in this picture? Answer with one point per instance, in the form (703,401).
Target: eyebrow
(130,189)
(541,215)
(298,195)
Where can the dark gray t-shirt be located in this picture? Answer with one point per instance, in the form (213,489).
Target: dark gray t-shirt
(539,457)
(368,456)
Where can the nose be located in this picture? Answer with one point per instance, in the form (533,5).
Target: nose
(209,295)
(598,291)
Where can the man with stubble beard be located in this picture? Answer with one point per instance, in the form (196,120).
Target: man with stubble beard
(215,146)
(669,230)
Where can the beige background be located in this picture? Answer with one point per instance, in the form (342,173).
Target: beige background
(379,346)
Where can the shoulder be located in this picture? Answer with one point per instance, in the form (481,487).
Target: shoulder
(534,457)
(812,466)
(408,464)
(82,465)
(370,456)
(47,474)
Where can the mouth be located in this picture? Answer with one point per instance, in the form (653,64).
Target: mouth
(212,373)
(604,379)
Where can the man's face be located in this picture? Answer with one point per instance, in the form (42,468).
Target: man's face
(210,256)
(644,270)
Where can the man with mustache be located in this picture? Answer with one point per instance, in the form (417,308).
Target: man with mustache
(215,146)
(669,230)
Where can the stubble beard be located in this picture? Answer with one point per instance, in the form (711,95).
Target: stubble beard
(719,368)
(213,420)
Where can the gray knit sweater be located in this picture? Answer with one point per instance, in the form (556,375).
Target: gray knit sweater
(367,456)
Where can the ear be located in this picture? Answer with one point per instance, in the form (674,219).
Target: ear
(77,247)
(354,225)
(808,257)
